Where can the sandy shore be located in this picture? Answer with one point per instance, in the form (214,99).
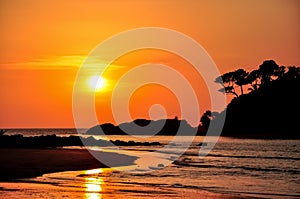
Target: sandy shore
(24,163)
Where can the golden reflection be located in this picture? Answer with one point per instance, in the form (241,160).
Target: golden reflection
(93,184)
(94,171)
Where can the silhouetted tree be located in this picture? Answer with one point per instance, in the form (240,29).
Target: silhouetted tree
(240,78)
(205,119)
(227,81)
(292,73)
(254,80)
(267,70)
(280,71)
(231,79)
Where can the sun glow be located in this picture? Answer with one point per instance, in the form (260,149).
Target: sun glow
(97,83)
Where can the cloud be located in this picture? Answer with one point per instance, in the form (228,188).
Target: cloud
(61,63)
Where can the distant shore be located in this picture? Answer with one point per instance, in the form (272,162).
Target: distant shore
(25,163)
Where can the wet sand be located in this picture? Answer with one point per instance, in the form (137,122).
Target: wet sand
(25,163)
(37,190)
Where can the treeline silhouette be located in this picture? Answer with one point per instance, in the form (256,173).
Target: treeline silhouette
(271,106)
(266,105)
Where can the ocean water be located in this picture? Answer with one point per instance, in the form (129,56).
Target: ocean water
(38,132)
(237,167)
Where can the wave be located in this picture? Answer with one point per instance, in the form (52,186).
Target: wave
(191,164)
(250,157)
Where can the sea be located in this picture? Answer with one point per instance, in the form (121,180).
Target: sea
(242,168)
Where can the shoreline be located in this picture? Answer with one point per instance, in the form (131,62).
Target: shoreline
(27,163)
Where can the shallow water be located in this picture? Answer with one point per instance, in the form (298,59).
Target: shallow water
(238,167)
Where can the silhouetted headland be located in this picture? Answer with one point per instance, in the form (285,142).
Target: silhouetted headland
(270,108)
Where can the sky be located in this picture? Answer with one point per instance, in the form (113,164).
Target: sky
(44,43)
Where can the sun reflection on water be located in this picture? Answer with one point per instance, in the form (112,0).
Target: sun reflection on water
(93,184)
(94,171)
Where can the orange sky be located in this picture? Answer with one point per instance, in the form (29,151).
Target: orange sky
(43,43)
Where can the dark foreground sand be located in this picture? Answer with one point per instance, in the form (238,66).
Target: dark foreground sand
(24,163)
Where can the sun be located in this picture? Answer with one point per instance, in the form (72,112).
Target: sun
(97,83)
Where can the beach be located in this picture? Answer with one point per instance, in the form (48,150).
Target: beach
(234,169)
(23,172)
(26,163)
